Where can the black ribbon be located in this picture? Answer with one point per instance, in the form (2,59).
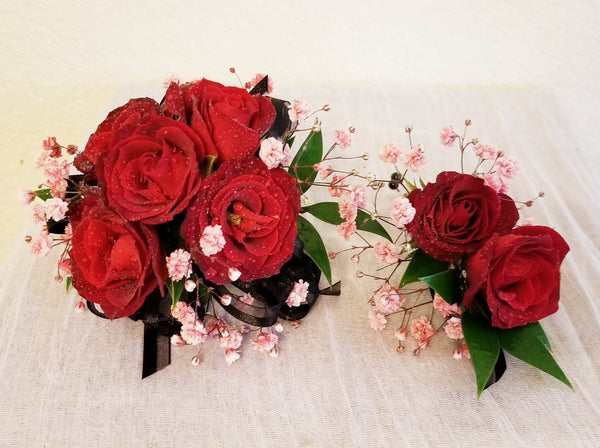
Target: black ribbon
(159,326)
(269,295)
(268,305)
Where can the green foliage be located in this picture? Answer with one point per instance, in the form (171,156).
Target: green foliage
(310,152)
(530,344)
(484,347)
(421,265)
(314,247)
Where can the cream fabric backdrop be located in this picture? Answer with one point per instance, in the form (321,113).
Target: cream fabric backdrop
(524,72)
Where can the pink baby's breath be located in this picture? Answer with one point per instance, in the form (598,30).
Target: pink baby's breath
(233,339)
(65,268)
(358,195)
(422,331)
(343,138)
(508,166)
(56,209)
(400,334)
(55,169)
(41,244)
(212,240)
(388,299)
(377,321)
(324,169)
(387,252)
(26,196)
(247,299)
(347,209)
(298,294)
(184,313)
(231,356)
(448,136)
(444,307)
(298,110)
(265,342)
(495,182)
(337,186)
(193,333)
(58,189)
(390,153)
(179,265)
(485,152)
(177,340)
(415,159)
(402,212)
(274,153)
(453,328)
(347,229)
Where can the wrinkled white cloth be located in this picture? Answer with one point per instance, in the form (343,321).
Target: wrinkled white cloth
(74,380)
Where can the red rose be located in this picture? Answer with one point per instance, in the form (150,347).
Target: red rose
(153,174)
(119,124)
(257,210)
(116,264)
(457,214)
(229,120)
(518,275)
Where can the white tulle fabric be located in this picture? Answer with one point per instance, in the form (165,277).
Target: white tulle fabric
(71,379)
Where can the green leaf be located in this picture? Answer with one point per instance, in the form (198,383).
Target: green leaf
(290,141)
(446,284)
(423,185)
(203,293)
(366,224)
(329,213)
(421,265)
(175,289)
(325,211)
(310,152)
(484,348)
(530,344)
(43,194)
(69,283)
(314,247)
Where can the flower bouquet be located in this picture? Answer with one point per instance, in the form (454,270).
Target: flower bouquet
(184,212)
(470,272)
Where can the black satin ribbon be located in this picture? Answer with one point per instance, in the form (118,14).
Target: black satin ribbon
(269,295)
(269,304)
(159,326)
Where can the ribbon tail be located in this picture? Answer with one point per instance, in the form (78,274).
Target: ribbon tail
(157,350)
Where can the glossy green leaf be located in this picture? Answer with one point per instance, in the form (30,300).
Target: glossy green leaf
(314,247)
(366,224)
(175,289)
(43,194)
(446,284)
(203,293)
(530,344)
(421,265)
(290,141)
(484,348)
(69,282)
(329,213)
(309,153)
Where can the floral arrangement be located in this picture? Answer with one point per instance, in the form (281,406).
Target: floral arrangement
(184,212)
(470,272)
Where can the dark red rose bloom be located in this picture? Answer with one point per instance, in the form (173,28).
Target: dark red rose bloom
(153,174)
(119,124)
(116,264)
(229,120)
(257,209)
(518,275)
(457,214)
